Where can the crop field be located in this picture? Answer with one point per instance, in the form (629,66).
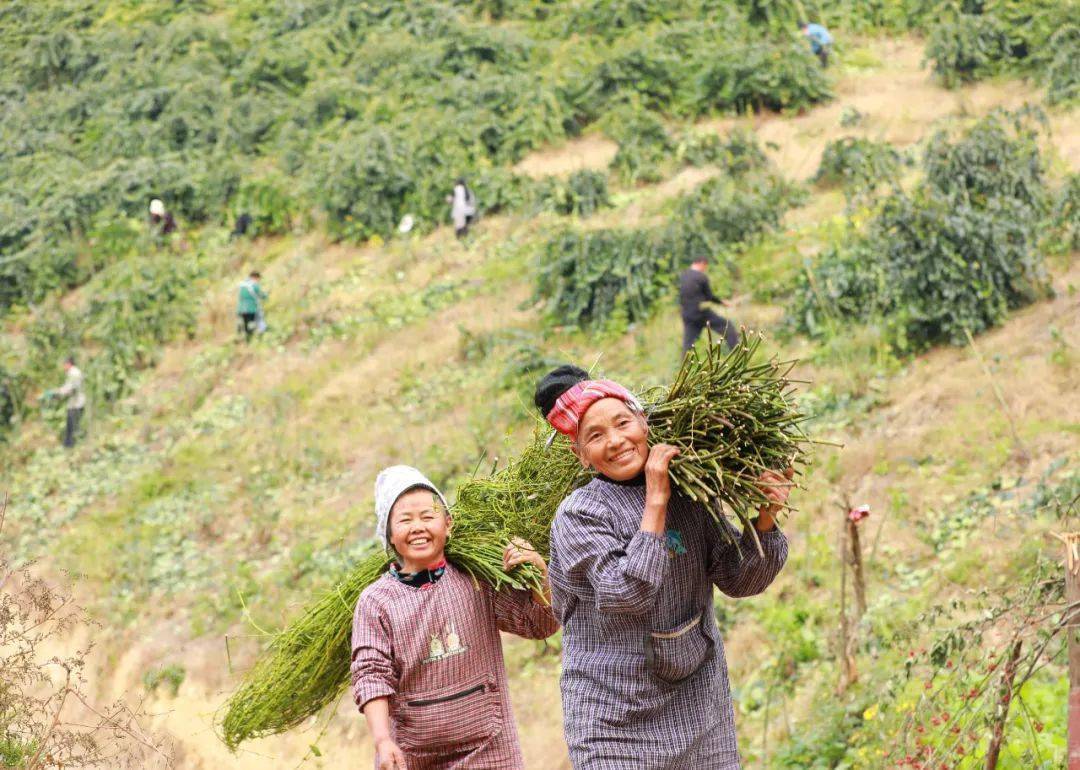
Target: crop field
(903,224)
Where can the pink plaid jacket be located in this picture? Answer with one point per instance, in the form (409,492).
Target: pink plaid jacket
(436,653)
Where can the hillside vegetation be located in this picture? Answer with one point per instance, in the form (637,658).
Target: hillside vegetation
(909,234)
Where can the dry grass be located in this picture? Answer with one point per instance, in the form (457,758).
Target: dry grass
(587,152)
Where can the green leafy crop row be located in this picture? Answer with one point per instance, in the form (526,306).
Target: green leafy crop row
(609,278)
(955,256)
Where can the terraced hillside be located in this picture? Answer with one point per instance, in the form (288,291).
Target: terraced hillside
(225,485)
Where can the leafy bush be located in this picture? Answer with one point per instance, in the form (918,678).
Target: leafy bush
(858,165)
(12,396)
(967,48)
(753,76)
(583,193)
(607,278)
(980,38)
(270,204)
(644,145)
(738,154)
(997,157)
(1061,66)
(365,184)
(931,270)
(721,213)
(601,277)
(954,257)
(1065,215)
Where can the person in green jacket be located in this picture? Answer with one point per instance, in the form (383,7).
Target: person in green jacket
(249,306)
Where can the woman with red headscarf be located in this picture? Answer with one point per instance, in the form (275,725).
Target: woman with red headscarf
(633,564)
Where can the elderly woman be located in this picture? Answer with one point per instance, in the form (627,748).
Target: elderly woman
(633,565)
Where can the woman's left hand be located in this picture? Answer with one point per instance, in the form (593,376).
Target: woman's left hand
(777,488)
(519,551)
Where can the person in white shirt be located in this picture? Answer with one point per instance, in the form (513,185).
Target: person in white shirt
(72,390)
(462,208)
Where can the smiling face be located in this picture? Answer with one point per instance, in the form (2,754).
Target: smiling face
(613,440)
(419,527)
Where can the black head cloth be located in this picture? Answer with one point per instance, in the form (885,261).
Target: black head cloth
(554,384)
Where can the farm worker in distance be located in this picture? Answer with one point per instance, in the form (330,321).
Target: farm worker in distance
(694,289)
(633,565)
(820,40)
(249,305)
(160,219)
(72,390)
(427,663)
(462,208)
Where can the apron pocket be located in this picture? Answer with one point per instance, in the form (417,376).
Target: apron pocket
(459,716)
(676,655)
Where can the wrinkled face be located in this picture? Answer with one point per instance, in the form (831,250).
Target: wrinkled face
(613,440)
(419,526)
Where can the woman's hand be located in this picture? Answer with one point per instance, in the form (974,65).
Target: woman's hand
(519,551)
(390,755)
(657,478)
(777,488)
(657,488)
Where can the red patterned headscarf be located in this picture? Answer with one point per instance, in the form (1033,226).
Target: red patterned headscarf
(571,406)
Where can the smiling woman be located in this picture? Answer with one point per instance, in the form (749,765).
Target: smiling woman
(633,565)
(427,666)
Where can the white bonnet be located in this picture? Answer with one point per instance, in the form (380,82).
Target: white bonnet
(391,484)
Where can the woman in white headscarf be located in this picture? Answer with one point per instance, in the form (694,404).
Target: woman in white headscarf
(427,664)
(160,217)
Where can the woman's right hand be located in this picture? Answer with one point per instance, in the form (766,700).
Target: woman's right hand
(390,755)
(657,478)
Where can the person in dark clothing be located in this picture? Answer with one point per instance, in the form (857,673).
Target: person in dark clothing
(694,289)
(243,224)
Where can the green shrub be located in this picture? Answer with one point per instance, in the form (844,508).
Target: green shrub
(269,202)
(1061,66)
(858,165)
(954,257)
(583,193)
(931,270)
(365,184)
(967,47)
(601,278)
(610,18)
(12,397)
(997,157)
(1065,215)
(723,213)
(606,279)
(738,154)
(644,145)
(757,75)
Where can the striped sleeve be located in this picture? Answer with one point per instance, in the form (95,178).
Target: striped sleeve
(626,577)
(516,612)
(739,570)
(372,667)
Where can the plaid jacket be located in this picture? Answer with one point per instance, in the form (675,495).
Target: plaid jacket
(436,653)
(644,682)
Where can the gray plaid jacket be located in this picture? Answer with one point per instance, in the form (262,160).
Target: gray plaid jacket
(645,682)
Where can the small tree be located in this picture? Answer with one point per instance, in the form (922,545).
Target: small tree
(47,717)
